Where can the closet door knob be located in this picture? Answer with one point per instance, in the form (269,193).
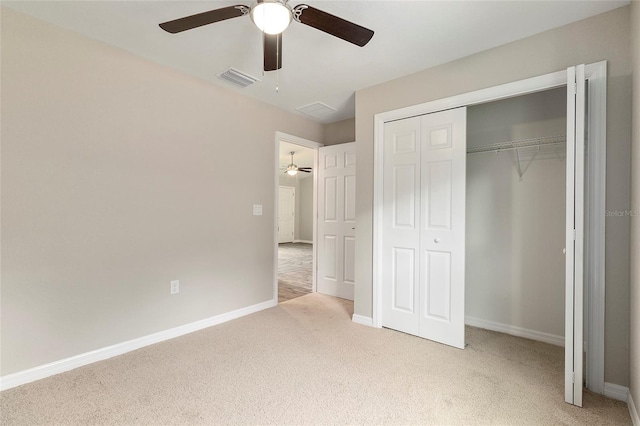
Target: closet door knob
(436,240)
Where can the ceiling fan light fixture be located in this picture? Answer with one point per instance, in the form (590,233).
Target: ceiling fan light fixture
(271,17)
(292,169)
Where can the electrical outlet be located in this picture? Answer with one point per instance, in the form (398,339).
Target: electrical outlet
(175,287)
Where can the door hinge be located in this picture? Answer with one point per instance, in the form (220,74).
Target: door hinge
(572,88)
(573,377)
(574,235)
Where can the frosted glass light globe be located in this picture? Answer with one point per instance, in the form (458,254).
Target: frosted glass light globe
(271,17)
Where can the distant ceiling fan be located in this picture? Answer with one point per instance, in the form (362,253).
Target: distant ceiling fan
(272,17)
(292,169)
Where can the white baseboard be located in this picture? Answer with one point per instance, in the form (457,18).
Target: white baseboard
(633,411)
(22,377)
(515,331)
(621,393)
(359,319)
(303,241)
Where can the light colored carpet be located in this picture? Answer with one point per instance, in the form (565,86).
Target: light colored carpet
(295,265)
(306,362)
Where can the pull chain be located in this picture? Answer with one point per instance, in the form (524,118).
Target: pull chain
(278,63)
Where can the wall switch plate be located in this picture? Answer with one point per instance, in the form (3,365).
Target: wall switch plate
(175,287)
(257,209)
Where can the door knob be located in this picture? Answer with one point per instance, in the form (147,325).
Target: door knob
(436,240)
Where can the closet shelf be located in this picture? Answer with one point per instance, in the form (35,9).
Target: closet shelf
(519,144)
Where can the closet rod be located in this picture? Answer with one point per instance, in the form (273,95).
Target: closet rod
(519,144)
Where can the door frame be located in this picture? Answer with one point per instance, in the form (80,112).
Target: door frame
(285,137)
(595,182)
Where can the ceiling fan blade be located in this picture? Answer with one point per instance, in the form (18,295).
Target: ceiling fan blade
(204,18)
(304,171)
(272,51)
(331,24)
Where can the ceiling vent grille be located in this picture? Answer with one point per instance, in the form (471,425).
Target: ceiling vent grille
(237,78)
(317,110)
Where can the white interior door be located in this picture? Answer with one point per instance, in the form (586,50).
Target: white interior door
(286,214)
(336,241)
(574,283)
(423,226)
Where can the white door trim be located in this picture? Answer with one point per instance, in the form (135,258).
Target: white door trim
(285,137)
(595,286)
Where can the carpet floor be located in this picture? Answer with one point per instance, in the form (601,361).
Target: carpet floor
(306,362)
(295,264)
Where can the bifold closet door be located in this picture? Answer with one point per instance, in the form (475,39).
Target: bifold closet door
(337,220)
(424,226)
(574,281)
(401,225)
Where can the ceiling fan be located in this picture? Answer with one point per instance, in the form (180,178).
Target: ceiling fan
(292,169)
(272,17)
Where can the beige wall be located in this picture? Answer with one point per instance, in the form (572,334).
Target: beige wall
(604,37)
(340,132)
(119,175)
(635,207)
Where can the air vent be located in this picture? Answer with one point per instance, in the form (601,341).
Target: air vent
(237,78)
(317,110)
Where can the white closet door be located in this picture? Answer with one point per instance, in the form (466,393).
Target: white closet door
(286,214)
(424,226)
(574,282)
(442,236)
(401,225)
(337,220)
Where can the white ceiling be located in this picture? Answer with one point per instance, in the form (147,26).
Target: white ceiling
(303,156)
(409,36)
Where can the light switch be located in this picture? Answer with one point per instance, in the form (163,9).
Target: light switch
(257,209)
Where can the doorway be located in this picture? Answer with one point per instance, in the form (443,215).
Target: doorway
(295,218)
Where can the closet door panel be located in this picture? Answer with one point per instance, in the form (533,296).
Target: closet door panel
(403,288)
(404,200)
(438,187)
(442,236)
(401,226)
(575,235)
(437,286)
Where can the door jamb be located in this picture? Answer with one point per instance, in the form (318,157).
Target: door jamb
(285,137)
(595,182)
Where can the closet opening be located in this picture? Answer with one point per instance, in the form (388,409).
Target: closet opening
(420,217)
(515,219)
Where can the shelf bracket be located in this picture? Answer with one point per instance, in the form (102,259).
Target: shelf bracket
(519,168)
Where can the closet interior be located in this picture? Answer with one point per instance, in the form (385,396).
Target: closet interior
(515,215)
